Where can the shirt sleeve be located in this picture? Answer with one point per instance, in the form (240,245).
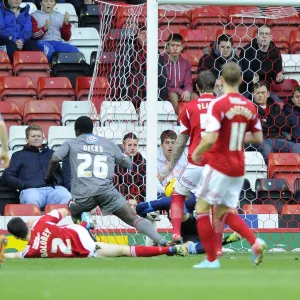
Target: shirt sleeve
(26,253)
(53,217)
(184,120)
(63,151)
(255,124)
(214,117)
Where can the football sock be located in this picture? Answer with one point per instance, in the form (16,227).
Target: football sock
(237,224)
(177,208)
(143,251)
(145,227)
(207,235)
(218,226)
(146,207)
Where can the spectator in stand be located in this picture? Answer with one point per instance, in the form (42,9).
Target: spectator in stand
(132,183)
(27,172)
(260,61)
(221,53)
(273,123)
(292,112)
(50,27)
(15,28)
(168,139)
(179,74)
(219,88)
(138,68)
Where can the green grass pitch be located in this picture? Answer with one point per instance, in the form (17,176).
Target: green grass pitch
(151,278)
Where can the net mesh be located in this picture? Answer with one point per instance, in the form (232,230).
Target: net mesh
(269,200)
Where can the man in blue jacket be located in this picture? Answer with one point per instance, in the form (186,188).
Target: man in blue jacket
(15,28)
(27,172)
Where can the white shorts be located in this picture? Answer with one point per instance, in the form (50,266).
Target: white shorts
(218,188)
(85,239)
(188,179)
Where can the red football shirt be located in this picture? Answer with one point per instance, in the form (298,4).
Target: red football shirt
(231,116)
(49,240)
(193,122)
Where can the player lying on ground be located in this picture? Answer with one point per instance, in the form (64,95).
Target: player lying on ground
(192,121)
(189,232)
(231,121)
(92,162)
(46,239)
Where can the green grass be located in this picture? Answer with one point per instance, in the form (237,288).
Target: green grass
(150,278)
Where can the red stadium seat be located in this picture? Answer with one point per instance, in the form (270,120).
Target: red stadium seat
(193,60)
(19,101)
(253,209)
(197,39)
(250,12)
(44,113)
(175,20)
(241,35)
(55,87)
(284,90)
(16,86)
(295,41)
(5,65)
(292,20)
(211,15)
(101,87)
(10,113)
(50,207)
(22,210)
(33,64)
(291,209)
(281,39)
(123,14)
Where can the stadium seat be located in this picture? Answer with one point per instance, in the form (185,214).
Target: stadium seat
(241,36)
(210,15)
(165,112)
(5,65)
(291,209)
(253,209)
(55,87)
(33,64)
(7,196)
(294,41)
(45,113)
(281,38)
(284,90)
(67,7)
(86,40)
(10,113)
(125,13)
(105,62)
(57,135)
(252,15)
(270,188)
(247,195)
(48,208)
(21,210)
(174,20)
(193,60)
(72,110)
(32,8)
(297,190)
(292,20)
(16,137)
(89,16)
(193,40)
(255,167)
(112,111)
(101,87)
(11,86)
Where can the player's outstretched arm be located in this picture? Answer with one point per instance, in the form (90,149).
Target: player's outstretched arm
(12,255)
(254,138)
(53,164)
(63,211)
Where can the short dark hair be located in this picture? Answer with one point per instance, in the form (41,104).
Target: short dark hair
(206,81)
(129,135)
(296,89)
(176,37)
(17,227)
(224,38)
(260,84)
(168,134)
(231,73)
(84,124)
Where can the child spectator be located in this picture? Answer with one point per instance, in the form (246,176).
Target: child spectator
(50,27)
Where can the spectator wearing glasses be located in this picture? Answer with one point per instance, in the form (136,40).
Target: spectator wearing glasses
(221,53)
(260,61)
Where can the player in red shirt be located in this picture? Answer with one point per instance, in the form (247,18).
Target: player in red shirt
(46,239)
(231,121)
(192,121)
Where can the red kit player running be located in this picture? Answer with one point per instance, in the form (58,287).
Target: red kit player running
(231,121)
(46,239)
(192,121)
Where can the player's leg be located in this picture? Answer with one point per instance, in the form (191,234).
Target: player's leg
(79,206)
(235,222)
(187,181)
(163,203)
(3,243)
(174,99)
(112,250)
